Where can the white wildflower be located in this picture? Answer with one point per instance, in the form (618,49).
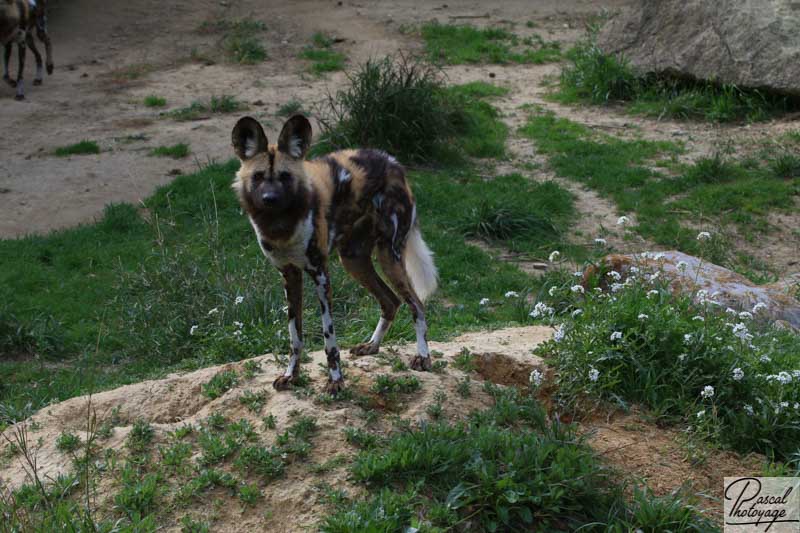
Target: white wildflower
(552,291)
(681,357)
(687,338)
(682,266)
(193,329)
(554,256)
(594,374)
(577,312)
(238,300)
(238,324)
(634,269)
(643,316)
(616,287)
(700,414)
(541,309)
(765,359)
(698,318)
(758,307)
(560,333)
(577,289)
(511,294)
(536,378)
(745,315)
(652,292)
(237,333)
(784,377)
(738,374)
(616,335)
(577,274)
(621,221)
(748,409)
(213,311)
(708,392)
(600,242)
(703,236)
(613,274)
(484,301)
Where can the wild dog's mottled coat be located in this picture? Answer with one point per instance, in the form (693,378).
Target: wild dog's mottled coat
(17,21)
(354,201)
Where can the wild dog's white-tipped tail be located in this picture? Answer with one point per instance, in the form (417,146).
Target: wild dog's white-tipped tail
(419,265)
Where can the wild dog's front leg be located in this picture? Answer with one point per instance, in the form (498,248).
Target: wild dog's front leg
(324,293)
(293,287)
(6,60)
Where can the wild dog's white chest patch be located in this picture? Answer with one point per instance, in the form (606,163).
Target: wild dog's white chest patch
(293,250)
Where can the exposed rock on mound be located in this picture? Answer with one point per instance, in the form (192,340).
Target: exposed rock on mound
(734,290)
(750,44)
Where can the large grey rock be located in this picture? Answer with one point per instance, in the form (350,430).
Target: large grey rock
(750,43)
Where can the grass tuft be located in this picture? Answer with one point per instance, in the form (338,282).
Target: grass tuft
(176,151)
(154,101)
(81,148)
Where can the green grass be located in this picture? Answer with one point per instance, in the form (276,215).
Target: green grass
(323,59)
(240,39)
(728,191)
(200,109)
(220,384)
(599,78)
(652,347)
(290,108)
(176,151)
(442,475)
(68,442)
(155,101)
(455,45)
(403,106)
(387,385)
(81,148)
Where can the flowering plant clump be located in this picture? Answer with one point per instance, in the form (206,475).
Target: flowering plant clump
(678,354)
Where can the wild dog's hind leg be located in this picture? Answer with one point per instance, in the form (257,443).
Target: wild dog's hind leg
(37,80)
(293,287)
(324,293)
(21,53)
(361,269)
(6,60)
(41,33)
(395,271)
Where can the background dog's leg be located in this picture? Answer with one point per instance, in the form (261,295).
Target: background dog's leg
(362,270)
(37,80)
(21,53)
(6,60)
(41,33)
(325,295)
(293,288)
(396,273)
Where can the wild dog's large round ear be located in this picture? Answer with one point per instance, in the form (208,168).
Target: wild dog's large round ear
(295,137)
(248,138)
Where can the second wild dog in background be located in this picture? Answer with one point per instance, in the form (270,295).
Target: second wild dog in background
(355,201)
(18,18)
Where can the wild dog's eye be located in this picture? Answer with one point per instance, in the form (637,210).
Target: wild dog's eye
(284,176)
(258,176)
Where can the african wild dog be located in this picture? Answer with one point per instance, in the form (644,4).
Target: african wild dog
(17,20)
(352,200)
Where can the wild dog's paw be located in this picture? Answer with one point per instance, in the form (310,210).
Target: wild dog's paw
(282,382)
(420,363)
(334,387)
(20,97)
(365,348)
(50,68)
(10,81)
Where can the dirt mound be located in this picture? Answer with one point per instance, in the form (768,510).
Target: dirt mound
(290,503)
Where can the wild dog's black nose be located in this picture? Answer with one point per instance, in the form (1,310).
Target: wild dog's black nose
(269,197)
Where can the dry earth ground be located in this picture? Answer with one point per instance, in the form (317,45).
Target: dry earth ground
(110,54)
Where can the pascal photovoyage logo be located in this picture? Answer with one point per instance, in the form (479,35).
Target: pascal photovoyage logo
(762,504)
